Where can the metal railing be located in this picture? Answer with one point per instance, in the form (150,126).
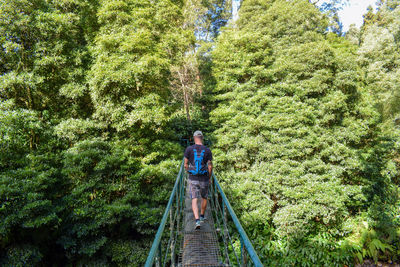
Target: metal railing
(165,254)
(230,234)
(228,228)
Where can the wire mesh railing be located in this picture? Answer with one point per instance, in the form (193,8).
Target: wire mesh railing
(230,230)
(216,244)
(165,252)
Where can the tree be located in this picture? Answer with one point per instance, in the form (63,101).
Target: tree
(45,55)
(120,178)
(331,9)
(292,115)
(31,186)
(379,56)
(201,23)
(93,104)
(353,34)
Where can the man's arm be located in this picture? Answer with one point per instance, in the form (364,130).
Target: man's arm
(186,157)
(210,167)
(186,164)
(209,163)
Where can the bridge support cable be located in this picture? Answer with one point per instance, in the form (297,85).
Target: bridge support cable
(218,242)
(225,212)
(173,212)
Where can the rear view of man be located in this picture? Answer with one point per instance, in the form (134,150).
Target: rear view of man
(198,164)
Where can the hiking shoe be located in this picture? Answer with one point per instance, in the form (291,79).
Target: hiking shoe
(202,219)
(197,225)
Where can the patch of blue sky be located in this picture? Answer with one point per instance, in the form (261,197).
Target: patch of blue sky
(352,12)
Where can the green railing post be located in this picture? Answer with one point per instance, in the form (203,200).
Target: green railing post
(243,258)
(171,228)
(159,256)
(181,190)
(241,251)
(215,186)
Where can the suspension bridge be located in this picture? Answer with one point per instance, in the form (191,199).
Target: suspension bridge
(221,241)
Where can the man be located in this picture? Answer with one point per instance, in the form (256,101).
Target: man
(198,164)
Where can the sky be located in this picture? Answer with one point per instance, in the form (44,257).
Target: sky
(352,12)
(235,8)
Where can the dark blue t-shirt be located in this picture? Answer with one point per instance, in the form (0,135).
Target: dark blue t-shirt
(189,154)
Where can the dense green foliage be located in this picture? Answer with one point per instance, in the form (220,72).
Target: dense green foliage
(88,153)
(96,98)
(299,138)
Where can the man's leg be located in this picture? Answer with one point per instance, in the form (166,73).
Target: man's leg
(203,205)
(195,208)
(194,194)
(204,195)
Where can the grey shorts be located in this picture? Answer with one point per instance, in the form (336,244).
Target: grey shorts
(198,188)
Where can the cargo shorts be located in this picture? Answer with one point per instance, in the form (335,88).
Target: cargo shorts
(198,188)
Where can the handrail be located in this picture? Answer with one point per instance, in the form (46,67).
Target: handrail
(157,239)
(165,254)
(244,238)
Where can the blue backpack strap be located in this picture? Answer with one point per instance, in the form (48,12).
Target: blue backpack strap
(201,171)
(198,160)
(194,172)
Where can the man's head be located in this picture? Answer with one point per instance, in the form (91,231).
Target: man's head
(198,137)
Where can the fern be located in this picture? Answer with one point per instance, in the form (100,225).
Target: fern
(370,246)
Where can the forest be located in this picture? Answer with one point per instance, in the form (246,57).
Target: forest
(98,99)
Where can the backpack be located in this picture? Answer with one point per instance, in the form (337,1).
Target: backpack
(198,169)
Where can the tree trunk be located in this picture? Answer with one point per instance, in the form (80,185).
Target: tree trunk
(186,104)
